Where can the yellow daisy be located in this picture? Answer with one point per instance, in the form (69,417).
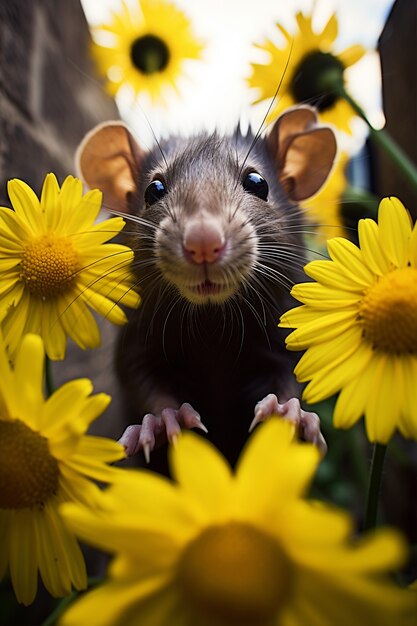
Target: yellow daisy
(359,326)
(46,459)
(221,549)
(53,266)
(312,71)
(145,46)
(324,209)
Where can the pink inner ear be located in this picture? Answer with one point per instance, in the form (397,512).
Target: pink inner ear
(292,122)
(308,160)
(108,159)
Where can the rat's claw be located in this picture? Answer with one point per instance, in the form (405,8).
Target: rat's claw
(264,409)
(189,418)
(147,452)
(139,437)
(154,430)
(172,427)
(307,424)
(130,438)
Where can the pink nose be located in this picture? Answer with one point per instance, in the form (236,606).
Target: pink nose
(204,241)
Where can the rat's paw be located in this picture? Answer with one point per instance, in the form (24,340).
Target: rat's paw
(306,423)
(156,430)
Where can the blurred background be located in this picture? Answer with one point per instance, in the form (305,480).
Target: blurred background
(215,94)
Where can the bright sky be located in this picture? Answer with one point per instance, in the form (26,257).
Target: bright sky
(216,94)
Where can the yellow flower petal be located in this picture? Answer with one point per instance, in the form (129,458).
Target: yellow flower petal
(330,31)
(22,553)
(334,377)
(370,244)
(329,274)
(272,452)
(104,306)
(351,402)
(324,298)
(208,488)
(395,230)
(50,200)
(129,593)
(382,403)
(78,322)
(52,332)
(29,369)
(25,203)
(351,55)
(334,351)
(324,328)
(349,259)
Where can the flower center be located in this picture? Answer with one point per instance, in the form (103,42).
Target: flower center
(49,265)
(149,54)
(235,574)
(388,312)
(317,80)
(28,472)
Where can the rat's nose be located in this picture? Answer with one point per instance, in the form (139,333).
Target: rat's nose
(204,241)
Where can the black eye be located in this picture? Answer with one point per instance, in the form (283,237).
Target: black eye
(154,192)
(254,183)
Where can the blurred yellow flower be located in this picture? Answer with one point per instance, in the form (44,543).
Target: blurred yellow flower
(53,266)
(145,46)
(312,71)
(358,326)
(324,209)
(46,459)
(220,549)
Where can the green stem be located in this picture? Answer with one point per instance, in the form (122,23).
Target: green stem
(375,476)
(65,602)
(49,384)
(387,143)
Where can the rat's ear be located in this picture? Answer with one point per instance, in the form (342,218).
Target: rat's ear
(108,159)
(303,151)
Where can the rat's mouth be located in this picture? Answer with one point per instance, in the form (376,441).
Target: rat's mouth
(207,288)
(207,291)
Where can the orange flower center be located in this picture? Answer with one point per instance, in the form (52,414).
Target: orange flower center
(49,265)
(388,312)
(28,472)
(235,574)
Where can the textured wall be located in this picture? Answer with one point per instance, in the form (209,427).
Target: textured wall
(398,50)
(49,96)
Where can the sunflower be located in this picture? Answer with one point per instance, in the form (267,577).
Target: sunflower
(324,208)
(46,459)
(53,266)
(219,549)
(312,72)
(145,46)
(358,326)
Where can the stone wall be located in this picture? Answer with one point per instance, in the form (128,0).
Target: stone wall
(49,94)
(398,51)
(49,98)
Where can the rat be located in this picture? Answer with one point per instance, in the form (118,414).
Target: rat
(217,233)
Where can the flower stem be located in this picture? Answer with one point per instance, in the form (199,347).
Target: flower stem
(49,384)
(66,601)
(387,143)
(375,476)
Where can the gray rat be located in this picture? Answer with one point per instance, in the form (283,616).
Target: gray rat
(217,234)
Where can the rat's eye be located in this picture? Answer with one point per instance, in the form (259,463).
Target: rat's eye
(154,192)
(255,184)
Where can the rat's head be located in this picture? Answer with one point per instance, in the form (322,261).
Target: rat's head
(212,216)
